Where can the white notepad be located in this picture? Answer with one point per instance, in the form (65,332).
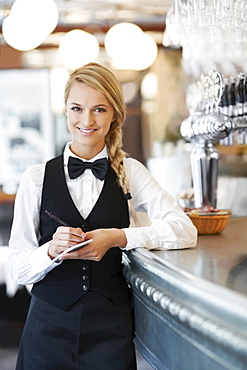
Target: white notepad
(74,248)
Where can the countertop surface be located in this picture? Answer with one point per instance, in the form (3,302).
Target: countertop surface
(194,300)
(219,258)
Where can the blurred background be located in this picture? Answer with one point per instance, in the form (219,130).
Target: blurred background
(42,41)
(156,48)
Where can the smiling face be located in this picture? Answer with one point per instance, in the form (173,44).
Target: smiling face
(89,117)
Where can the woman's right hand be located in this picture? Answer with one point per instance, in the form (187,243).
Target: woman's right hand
(64,238)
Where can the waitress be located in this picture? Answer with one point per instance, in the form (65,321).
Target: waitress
(80,313)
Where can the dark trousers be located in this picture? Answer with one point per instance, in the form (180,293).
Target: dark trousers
(94,334)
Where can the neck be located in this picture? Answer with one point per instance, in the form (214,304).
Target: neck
(85,153)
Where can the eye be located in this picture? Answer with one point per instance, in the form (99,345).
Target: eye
(75,109)
(100,110)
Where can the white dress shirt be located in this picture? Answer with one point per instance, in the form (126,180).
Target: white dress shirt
(170,228)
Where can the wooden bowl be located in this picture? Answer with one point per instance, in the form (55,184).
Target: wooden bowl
(211,223)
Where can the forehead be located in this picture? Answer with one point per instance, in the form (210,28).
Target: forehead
(82,91)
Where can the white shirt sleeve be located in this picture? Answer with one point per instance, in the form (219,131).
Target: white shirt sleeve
(170,227)
(28,263)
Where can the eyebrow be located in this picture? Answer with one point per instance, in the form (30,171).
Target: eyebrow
(101,105)
(74,103)
(95,106)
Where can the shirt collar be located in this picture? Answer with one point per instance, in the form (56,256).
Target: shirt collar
(68,153)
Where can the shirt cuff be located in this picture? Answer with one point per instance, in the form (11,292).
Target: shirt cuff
(141,237)
(40,259)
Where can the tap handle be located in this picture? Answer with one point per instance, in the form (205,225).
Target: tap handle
(232,92)
(240,88)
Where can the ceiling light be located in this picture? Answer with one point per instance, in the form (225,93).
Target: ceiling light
(129,47)
(122,38)
(149,86)
(78,47)
(29,22)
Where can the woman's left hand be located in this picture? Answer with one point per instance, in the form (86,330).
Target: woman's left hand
(102,241)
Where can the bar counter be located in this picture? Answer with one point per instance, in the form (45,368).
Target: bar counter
(190,306)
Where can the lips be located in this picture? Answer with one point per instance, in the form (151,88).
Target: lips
(86,131)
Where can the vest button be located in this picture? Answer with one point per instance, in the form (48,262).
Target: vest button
(85,228)
(85,288)
(84,267)
(84,277)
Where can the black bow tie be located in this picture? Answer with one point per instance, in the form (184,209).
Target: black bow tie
(76,167)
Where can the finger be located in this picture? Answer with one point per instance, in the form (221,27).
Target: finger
(68,235)
(73,255)
(90,252)
(71,230)
(78,254)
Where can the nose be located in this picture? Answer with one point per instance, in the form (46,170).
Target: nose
(87,118)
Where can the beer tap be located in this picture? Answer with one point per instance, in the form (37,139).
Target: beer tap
(218,113)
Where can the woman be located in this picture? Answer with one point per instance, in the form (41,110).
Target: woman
(80,316)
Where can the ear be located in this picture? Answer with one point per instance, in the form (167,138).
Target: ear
(65,109)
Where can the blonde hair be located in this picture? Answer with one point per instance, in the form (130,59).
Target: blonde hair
(103,80)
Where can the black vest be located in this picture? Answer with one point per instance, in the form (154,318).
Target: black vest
(69,281)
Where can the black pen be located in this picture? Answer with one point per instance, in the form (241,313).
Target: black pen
(61,222)
(74,247)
